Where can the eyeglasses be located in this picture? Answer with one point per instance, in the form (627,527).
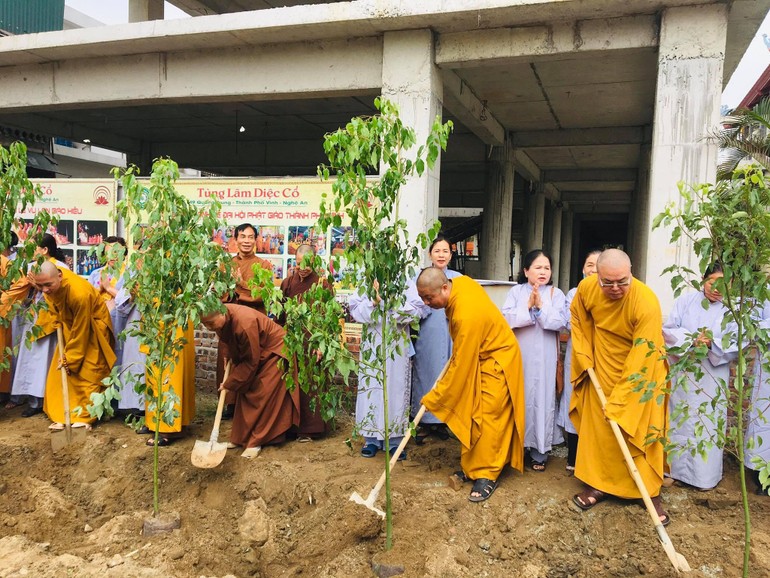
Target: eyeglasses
(621,283)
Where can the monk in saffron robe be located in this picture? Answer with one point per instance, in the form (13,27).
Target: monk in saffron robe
(182,380)
(311,424)
(245,261)
(5,341)
(610,311)
(88,343)
(481,395)
(264,409)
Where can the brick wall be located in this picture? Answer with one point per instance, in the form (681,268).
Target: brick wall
(205,359)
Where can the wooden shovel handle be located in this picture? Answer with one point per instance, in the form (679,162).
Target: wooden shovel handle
(64,383)
(221,404)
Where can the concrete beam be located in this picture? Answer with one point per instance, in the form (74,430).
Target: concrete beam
(598,175)
(552,192)
(73,131)
(460,101)
(525,166)
(492,47)
(599,208)
(593,186)
(580,137)
(598,196)
(455,212)
(322,69)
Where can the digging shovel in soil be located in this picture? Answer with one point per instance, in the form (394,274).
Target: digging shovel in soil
(69,435)
(211,453)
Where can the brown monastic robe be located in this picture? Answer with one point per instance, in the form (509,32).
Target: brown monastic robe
(242,296)
(310,422)
(264,409)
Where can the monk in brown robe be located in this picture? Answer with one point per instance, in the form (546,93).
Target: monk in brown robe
(304,277)
(610,312)
(88,343)
(481,395)
(244,261)
(264,409)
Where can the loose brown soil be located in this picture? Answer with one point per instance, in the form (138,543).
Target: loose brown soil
(79,513)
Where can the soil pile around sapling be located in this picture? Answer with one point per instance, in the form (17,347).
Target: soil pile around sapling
(79,513)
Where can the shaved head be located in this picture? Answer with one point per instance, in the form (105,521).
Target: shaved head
(614,271)
(434,288)
(431,278)
(47,278)
(613,258)
(214,320)
(303,250)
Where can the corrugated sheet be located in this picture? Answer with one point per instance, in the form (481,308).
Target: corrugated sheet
(26,16)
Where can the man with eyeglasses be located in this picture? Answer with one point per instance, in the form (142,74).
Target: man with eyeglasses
(611,311)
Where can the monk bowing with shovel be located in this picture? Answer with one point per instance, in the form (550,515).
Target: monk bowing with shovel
(86,354)
(264,409)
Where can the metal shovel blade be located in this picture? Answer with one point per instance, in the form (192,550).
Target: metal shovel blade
(59,438)
(208,454)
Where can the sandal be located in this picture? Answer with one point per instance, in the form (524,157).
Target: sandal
(538,466)
(12,405)
(484,487)
(660,511)
(369,450)
(144,430)
(163,441)
(458,479)
(583,499)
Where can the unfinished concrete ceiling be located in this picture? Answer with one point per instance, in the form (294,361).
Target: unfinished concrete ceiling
(580,114)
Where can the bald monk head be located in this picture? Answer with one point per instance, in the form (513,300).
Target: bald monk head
(614,271)
(214,320)
(434,288)
(304,267)
(47,278)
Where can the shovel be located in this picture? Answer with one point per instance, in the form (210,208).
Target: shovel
(372,497)
(211,453)
(369,501)
(677,560)
(67,436)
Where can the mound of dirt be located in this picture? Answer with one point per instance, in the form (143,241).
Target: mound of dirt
(287,513)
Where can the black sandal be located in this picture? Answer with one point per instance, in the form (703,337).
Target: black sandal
(163,441)
(484,487)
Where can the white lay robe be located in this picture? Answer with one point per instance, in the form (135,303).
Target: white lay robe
(687,317)
(562,417)
(759,413)
(369,401)
(538,340)
(125,317)
(432,347)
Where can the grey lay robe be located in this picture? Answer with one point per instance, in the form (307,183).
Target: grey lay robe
(687,317)
(759,412)
(562,417)
(538,340)
(131,360)
(432,348)
(369,401)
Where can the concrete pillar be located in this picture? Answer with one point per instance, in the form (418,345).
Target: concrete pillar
(411,80)
(565,252)
(144,10)
(639,233)
(535,222)
(687,100)
(495,250)
(555,243)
